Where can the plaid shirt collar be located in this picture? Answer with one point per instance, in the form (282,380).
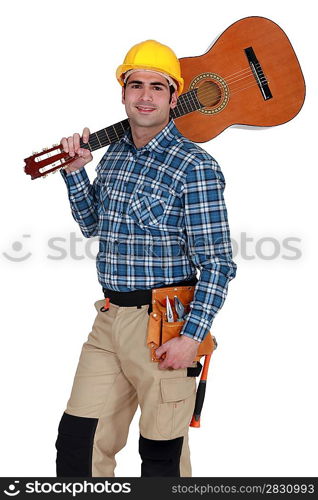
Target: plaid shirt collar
(158,144)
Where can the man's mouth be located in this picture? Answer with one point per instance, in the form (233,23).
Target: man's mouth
(145,109)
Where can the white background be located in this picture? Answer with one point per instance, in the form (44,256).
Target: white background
(58,61)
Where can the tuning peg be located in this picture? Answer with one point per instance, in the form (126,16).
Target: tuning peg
(35,152)
(54,145)
(45,149)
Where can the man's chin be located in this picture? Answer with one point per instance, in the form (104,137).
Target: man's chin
(144,121)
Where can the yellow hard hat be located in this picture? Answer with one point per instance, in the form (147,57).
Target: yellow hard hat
(152,56)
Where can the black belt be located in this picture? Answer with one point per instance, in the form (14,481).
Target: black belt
(140,297)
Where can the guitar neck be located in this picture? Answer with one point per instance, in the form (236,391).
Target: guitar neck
(186,103)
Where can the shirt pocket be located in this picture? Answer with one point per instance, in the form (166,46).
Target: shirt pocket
(148,205)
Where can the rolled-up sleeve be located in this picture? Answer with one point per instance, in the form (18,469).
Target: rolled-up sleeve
(209,245)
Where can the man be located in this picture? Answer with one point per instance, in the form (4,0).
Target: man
(157,206)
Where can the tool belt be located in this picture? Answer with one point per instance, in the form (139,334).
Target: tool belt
(137,298)
(160,330)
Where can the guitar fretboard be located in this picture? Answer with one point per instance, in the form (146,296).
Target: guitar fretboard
(186,103)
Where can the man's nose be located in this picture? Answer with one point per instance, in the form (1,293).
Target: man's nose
(146,94)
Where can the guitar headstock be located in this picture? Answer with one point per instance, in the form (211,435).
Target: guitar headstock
(47,162)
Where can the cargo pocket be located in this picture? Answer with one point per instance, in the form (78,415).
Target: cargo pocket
(176,410)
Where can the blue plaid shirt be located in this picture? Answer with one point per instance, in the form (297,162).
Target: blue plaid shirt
(160,215)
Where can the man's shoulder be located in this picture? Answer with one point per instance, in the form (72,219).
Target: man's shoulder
(115,150)
(195,153)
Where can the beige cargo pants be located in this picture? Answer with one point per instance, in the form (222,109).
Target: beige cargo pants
(115,374)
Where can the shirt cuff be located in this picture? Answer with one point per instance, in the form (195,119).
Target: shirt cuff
(196,326)
(76,181)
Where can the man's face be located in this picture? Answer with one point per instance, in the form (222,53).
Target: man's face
(146,99)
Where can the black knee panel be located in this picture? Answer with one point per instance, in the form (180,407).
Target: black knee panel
(160,458)
(74,446)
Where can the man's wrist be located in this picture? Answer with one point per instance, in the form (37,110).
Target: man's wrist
(186,336)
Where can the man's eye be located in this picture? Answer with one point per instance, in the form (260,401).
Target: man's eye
(136,86)
(157,88)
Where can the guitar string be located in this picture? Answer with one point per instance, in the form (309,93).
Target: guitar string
(216,94)
(238,74)
(248,68)
(207,92)
(213,94)
(240,71)
(188,98)
(254,84)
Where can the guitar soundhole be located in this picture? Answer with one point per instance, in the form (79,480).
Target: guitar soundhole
(212,92)
(209,94)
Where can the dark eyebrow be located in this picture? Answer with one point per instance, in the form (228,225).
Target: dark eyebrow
(159,83)
(134,81)
(151,83)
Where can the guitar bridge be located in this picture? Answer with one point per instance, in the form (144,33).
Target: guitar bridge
(258,73)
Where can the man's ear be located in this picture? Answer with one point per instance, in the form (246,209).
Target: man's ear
(123,95)
(174,98)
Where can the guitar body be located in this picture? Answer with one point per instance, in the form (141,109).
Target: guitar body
(224,79)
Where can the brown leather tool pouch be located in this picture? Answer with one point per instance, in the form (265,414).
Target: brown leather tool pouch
(160,330)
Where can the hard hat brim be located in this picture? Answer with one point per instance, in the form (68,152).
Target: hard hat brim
(123,68)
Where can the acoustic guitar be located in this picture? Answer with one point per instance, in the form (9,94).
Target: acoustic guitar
(250,76)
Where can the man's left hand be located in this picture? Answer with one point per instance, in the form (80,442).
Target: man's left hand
(180,352)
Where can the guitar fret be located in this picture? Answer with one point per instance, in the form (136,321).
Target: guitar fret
(115,132)
(93,141)
(186,103)
(176,112)
(122,126)
(192,101)
(111,134)
(106,133)
(103,137)
(118,130)
(194,93)
(173,113)
(178,109)
(96,134)
(182,108)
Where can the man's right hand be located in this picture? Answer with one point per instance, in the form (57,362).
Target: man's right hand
(71,145)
